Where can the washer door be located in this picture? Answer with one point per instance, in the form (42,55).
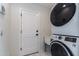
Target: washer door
(62,13)
(60,49)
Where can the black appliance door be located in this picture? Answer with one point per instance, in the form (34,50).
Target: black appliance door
(62,13)
(60,49)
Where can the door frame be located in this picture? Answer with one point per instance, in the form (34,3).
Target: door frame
(20,29)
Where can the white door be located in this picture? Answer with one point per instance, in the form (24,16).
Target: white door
(30,32)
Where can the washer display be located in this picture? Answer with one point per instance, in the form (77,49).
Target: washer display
(62,13)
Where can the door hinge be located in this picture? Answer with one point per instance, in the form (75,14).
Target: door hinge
(1,34)
(21,14)
(21,49)
(21,31)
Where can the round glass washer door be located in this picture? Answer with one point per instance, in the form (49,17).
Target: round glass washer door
(59,49)
(62,13)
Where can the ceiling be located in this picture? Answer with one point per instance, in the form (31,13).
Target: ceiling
(47,5)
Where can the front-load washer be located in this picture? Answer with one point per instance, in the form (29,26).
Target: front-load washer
(64,18)
(64,45)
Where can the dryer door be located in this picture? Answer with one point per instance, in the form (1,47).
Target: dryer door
(60,49)
(62,13)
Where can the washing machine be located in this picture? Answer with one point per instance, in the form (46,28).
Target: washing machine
(64,45)
(64,18)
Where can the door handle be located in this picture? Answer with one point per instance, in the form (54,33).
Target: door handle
(36,30)
(36,34)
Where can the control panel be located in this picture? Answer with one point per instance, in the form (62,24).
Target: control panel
(70,39)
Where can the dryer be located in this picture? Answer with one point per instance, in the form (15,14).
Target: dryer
(64,45)
(64,19)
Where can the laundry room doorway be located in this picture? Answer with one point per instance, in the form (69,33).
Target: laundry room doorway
(30,32)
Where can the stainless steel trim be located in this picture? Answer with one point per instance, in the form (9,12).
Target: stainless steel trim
(66,35)
(31,53)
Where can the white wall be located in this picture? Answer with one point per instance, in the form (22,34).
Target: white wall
(14,33)
(4,47)
(7,28)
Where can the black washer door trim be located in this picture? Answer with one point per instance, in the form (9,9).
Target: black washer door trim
(62,13)
(69,51)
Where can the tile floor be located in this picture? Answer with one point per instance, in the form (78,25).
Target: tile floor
(42,53)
